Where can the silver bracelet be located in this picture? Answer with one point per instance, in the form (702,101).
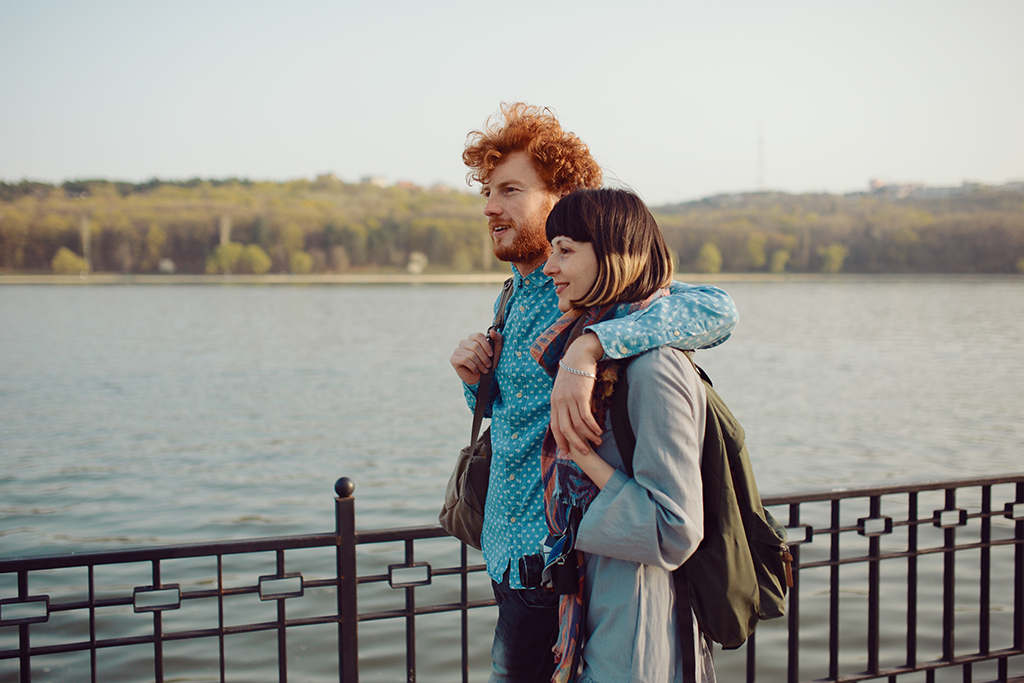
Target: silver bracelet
(575,371)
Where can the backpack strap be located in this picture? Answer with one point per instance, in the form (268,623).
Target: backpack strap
(483,392)
(625,438)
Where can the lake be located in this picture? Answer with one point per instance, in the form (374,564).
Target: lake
(144,414)
(152,414)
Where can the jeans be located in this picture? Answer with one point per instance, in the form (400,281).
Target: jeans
(526,631)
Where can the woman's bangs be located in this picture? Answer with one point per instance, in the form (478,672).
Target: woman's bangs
(566,220)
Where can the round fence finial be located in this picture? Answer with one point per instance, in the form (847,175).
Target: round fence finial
(344,487)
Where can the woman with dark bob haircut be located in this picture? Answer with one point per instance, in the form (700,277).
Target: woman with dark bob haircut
(619,620)
(633,260)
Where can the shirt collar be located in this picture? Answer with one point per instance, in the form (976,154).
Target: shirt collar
(535,279)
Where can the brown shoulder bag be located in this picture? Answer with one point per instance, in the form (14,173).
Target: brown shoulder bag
(463,513)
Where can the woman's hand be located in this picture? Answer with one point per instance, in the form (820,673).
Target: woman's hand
(593,465)
(572,420)
(476,355)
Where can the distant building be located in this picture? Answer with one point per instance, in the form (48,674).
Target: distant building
(918,191)
(897,190)
(375,180)
(327,178)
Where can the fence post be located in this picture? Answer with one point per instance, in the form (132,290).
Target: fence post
(345,530)
(1018,570)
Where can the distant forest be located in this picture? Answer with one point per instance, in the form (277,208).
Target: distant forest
(328,226)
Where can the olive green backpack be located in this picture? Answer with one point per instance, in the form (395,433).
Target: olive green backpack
(741,570)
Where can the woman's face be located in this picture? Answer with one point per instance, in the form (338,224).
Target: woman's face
(573,267)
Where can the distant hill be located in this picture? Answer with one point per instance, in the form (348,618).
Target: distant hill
(239,226)
(892,229)
(328,226)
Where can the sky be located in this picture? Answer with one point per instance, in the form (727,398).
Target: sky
(677,100)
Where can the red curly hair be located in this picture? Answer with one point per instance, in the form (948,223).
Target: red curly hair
(562,160)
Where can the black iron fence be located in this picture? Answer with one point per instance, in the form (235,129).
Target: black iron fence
(899,583)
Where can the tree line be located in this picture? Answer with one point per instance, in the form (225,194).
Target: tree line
(328,226)
(238,226)
(974,229)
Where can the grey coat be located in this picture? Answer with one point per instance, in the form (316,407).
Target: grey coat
(637,530)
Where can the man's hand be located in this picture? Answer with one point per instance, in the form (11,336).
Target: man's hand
(476,355)
(572,422)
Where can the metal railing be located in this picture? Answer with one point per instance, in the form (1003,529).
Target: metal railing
(899,583)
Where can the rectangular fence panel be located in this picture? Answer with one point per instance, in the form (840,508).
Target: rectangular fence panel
(903,584)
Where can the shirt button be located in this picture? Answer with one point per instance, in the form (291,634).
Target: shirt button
(516,435)
(512,519)
(519,354)
(527,280)
(522,309)
(519,394)
(511,477)
(676,332)
(623,349)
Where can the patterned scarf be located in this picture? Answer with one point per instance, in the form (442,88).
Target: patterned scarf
(565,485)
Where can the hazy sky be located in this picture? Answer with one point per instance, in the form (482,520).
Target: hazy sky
(678,100)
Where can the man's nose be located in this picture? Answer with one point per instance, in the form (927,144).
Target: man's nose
(492,207)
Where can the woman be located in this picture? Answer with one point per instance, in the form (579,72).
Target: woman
(609,258)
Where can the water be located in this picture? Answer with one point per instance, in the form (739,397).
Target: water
(150,414)
(153,414)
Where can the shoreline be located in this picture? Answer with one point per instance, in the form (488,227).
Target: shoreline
(449,278)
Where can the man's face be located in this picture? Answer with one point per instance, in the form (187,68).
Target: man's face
(518,204)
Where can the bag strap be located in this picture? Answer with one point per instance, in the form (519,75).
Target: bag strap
(684,620)
(619,411)
(483,393)
(625,438)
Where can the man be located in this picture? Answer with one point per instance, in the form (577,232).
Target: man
(525,164)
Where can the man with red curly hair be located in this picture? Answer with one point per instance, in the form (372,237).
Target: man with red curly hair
(525,162)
